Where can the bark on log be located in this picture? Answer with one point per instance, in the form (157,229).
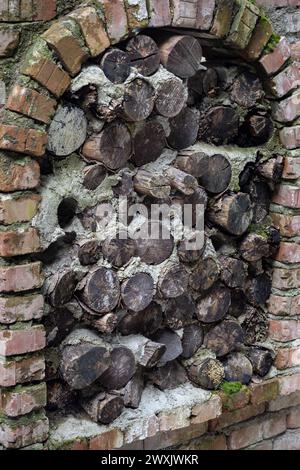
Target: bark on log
(171,94)
(120,371)
(101,291)
(238,303)
(256,130)
(255,325)
(260,196)
(137,292)
(207,270)
(219,125)
(187,252)
(233,272)
(172,342)
(192,161)
(238,368)
(144,54)
(139,99)
(119,251)
(145,322)
(147,353)
(179,312)
(94,175)
(58,324)
(224,338)
(173,282)
(151,184)
(133,391)
(125,185)
(181,181)
(233,213)
(247,90)
(272,169)
(106,324)
(149,140)
(192,340)
(116,65)
(103,408)
(181,55)
(215,305)
(59,396)
(61,287)
(254,247)
(261,359)
(184,129)
(258,289)
(168,376)
(89,252)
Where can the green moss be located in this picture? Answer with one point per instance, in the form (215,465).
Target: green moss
(273,41)
(231,387)
(259,230)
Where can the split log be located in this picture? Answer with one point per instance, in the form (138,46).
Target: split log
(238,303)
(139,99)
(233,271)
(179,312)
(224,338)
(181,55)
(184,129)
(172,343)
(192,340)
(233,213)
(94,175)
(173,282)
(101,290)
(89,252)
(145,322)
(59,395)
(144,54)
(147,353)
(260,195)
(206,372)
(119,251)
(120,371)
(215,305)
(147,183)
(132,393)
(254,247)
(169,376)
(188,251)
(192,161)
(272,169)
(155,250)
(149,140)
(255,325)
(219,125)
(103,408)
(247,90)
(171,94)
(125,185)
(116,65)
(261,359)
(258,289)
(106,324)
(137,292)
(112,146)
(61,287)
(238,368)
(207,270)
(181,181)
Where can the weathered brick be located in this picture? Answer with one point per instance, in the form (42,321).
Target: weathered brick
(107,441)
(21,277)
(286,278)
(272,62)
(21,401)
(236,400)
(263,392)
(174,419)
(9,41)
(27,10)
(23,140)
(176,437)
(291,168)
(243,25)
(193,14)
(289,225)
(288,357)
(206,411)
(115,19)
(66,46)
(293,418)
(233,417)
(289,441)
(289,384)
(288,109)
(20,208)
(159,13)
(2,94)
(288,196)
(290,137)
(19,242)
(20,370)
(245,436)
(274,425)
(14,342)
(20,433)
(16,175)
(260,37)
(217,442)
(295,50)
(285,82)
(283,402)
(284,306)
(92,29)
(288,253)
(21,308)
(222,18)
(137,13)
(31,103)
(264,445)
(44,10)
(284,330)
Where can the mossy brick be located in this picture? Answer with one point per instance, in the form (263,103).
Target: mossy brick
(22,400)
(92,29)
(67,46)
(237,416)
(21,277)
(115,19)
(214,442)
(18,174)
(236,400)
(22,369)
(21,308)
(282,402)
(18,207)
(259,38)
(137,14)
(264,392)
(243,25)
(272,62)
(25,431)
(224,12)
(23,140)
(19,242)
(160,13)
(15,342)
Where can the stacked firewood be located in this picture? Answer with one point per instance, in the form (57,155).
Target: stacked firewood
(180,314)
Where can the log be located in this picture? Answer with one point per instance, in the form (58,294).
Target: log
(198,200)
(89,252)
(147,183)
(224,338)
(184,129)
(61,287)
(232,212)
(238,368)
(260,195)
(179,312)
(173,281)
(207,373)
(192,161)
(139,100)
(103,408)
(204,82)
(106,324)
(233,271)
(144,54)
(125,185)
(66,211)
(192,340)
(94,175)
(187,253)
(149,140)
(261,359)
(181,181)
(101,291)
(272,169)
(258,289)
(116,65)
(155,250)
(171,94)
(120,371)
(215,305)
(207,271)
(118,251)
(133,391)
(181,55)
(169,376)
(137,292)
(219,125)
(145,322)
(58,324)
(172,343)
(147,353)
(112,146)
(247,90)
(254,247)
(238,303)
(255,268)
(256,130)
(255,325)
(59,396)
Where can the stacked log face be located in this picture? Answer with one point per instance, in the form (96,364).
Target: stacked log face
(127,312)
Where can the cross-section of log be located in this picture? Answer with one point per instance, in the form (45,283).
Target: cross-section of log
(132,393)
(206,271)
(233,271)
(237,368)
(172,342)
(219,125)
(215,305)
(169,376)
(61,287)
(139,99)
(171,94)
(116,65)
(261,359)
(184,129)
(156,248)
(94,175)
(103,408)
(120,371)
(101,291)
(181,55)
(144,54)
(89,252)
(254,247)
(179,312)
(137,292)
(232,212)
(204,371)
(146,322)
(119,251)
(147,353)
(149,140)
(224,338)
(173,281)
(190,250)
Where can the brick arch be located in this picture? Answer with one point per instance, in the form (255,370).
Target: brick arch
(45,74)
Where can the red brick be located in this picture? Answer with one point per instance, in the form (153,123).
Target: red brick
(291,168)
(285,82)
(21,308)
(264,445)
(23,140)
(260,37)
(284,306)
(9,41)
(286,278)
(171,420)
(116,19)
(19,242)
(193,14)
(19,433)
(245,436)
(17,175)
(22,401)
(236,400)
(92,29)
(288,253)
(289,441)
(159,13)
(21,277)
(14,342)
(288,109)
(288,196)
(288,225)
(295,49)
(274,425)
(209,443)
(284,330)
(229,418)
(277,3)
(31,103)
(293,419)
(207,411)
(66,46)
(273,61)
(289,384)
(107,440)
(283,402)
(263,392)
(21,208)
(161,440)
(288,357)
(22,370)
(290,137)
(44,10)
(27,10)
